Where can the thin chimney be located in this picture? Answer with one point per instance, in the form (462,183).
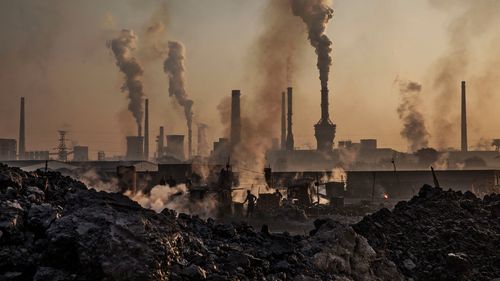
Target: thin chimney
(22,137)
(464,118)
(283,120)
(160,148)
(190,142)
(289,137)
(235,119)
(146,130)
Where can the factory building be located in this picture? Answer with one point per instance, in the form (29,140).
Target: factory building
(135,148)
(36,155)
(175,147)
(8,149)
(80,153)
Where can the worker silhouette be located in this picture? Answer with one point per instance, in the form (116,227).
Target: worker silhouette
(251,199)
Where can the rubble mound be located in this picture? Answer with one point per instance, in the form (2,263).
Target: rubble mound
(54,228)
(439,235)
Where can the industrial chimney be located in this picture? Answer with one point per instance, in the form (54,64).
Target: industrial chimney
(283,121)
(160,148)
(235,119)
(22,139)
(146,130)
(190,142)
(324,129)
(289,136)
(464,119)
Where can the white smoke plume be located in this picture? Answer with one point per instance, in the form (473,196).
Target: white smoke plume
(409,111)
(175,198)
(122,48)
(93,180)
(176,71)
(203,146)
(316,14)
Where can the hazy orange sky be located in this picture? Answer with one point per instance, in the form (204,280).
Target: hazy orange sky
(54,53)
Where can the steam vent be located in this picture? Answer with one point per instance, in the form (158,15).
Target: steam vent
(324,129)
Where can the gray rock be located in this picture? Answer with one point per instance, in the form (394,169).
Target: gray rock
(409,264)
(194,272)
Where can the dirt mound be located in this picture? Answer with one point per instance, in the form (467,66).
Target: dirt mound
(54,228)
(439,235)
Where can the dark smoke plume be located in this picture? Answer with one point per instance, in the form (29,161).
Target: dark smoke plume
(175,69)
(122,48)
(414,130)
(316,14)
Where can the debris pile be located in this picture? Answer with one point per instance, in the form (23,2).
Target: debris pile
(54,228)
(439,235)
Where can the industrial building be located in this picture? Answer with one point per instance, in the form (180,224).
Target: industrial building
(8,149)
(135,148)
(80,153)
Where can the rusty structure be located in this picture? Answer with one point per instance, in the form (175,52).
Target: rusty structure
(324,129)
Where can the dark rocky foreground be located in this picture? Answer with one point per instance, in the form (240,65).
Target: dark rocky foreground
(439,235)
(54,228)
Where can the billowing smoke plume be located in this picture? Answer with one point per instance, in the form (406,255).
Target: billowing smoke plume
(274,54)
(476,20)
(122,48)
(175,69)
(203,147)
(153,44)
(414,130)
(316,14)
(175,198)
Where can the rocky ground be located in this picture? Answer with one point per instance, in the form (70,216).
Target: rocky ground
(55,228)
(439,235)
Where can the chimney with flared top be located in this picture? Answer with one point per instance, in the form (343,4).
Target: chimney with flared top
(324,129)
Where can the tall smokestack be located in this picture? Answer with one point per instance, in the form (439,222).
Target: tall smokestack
(283,120)
(146,130)
(464,119)
(190,142)
(235,119)
(324,129)
(289,136)
(161,146)
(175,69)
(22,140)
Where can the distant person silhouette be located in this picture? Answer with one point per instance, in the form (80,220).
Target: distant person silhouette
(251,199)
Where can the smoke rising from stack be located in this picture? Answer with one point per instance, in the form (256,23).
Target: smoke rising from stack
(414,129)
(122,48)
(274,54)
(203,147)
(154,45)
(316,14)
(477,18)
(176,72)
